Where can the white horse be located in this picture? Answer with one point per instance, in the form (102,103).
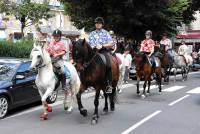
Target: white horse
(121,71)
(46,80)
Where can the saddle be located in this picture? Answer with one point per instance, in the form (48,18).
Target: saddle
(184,59)
(56,70)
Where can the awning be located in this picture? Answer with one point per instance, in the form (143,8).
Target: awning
(194,34)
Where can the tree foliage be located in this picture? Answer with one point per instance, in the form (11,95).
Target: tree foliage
(27,13)
(129,18)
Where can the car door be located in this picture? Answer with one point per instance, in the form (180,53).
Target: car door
(24,90)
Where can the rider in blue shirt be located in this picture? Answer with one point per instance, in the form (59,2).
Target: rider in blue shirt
(101,40)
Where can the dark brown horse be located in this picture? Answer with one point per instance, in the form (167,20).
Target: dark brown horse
(92,68)
(167,62)
(144,70)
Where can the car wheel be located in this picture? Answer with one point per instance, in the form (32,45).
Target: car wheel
(4,105)
(52,98)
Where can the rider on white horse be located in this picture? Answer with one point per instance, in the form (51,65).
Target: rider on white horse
(183,50)
(57,50)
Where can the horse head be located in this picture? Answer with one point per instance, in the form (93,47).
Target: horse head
(38,55)
(81,52)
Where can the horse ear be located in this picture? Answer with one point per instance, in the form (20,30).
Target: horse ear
(83,43)
(34,45)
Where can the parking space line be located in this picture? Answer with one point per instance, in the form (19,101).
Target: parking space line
(176,101)
(141,122)
(194,91)
(173,88)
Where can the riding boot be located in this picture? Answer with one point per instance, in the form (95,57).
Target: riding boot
(109,82)
(63,82)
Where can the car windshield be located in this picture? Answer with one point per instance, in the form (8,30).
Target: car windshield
(7,71)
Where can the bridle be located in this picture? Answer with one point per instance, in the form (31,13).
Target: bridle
(40,64)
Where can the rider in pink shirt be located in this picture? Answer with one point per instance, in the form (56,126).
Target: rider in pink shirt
(147,45)
(57,50)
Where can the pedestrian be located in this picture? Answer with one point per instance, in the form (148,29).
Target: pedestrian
(127,64)
(102,41)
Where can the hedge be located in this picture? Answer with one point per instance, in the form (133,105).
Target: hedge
(19,49)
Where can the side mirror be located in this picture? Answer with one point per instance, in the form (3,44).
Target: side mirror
(20,77)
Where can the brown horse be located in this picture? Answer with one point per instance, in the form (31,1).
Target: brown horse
(144,70)
(166,62)
(92,68)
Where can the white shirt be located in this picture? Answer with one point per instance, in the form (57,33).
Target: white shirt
(183,50)
(167,42)
(127,60)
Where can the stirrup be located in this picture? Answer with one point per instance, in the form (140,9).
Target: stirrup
(109,89)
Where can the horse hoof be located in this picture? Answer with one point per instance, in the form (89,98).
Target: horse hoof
(68,109)
(94,121)
(49,109)
(105,110)
(43,116)
(159,92)
(138,93)
(112,109)
(143,96)
(83,112)
(119,91)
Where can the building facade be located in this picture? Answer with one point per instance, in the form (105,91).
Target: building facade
(10,25)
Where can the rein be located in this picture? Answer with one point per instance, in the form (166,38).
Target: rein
(85,65)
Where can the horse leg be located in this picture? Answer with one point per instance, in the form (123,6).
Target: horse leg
(112,99)
(105,109)
(159,80)
(68,101)
(46,107)
(80,106)
(149,84)
(144,88)
(96,104)
(138,84)
(175,71)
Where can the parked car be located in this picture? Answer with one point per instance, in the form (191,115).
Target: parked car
(17,85)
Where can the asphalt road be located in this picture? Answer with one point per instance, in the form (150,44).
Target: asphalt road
(175,111)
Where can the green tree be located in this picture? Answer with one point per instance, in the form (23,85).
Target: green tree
(27,13)
(129,18)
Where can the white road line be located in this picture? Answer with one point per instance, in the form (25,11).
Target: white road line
(174,88)
(176,101)
(128,85)
(141,122)
(86,95)
(34,109)
(194,91)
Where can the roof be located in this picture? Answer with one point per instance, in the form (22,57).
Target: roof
(192,34)
(13,60)
(64,32)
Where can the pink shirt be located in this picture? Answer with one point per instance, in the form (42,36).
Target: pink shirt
(147,45)
(56,47)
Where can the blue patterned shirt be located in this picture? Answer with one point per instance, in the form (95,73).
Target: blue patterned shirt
(99,37)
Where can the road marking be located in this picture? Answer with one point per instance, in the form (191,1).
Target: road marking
(128,85)
(174,88)
(141,122)
(194,91)
(176,101)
